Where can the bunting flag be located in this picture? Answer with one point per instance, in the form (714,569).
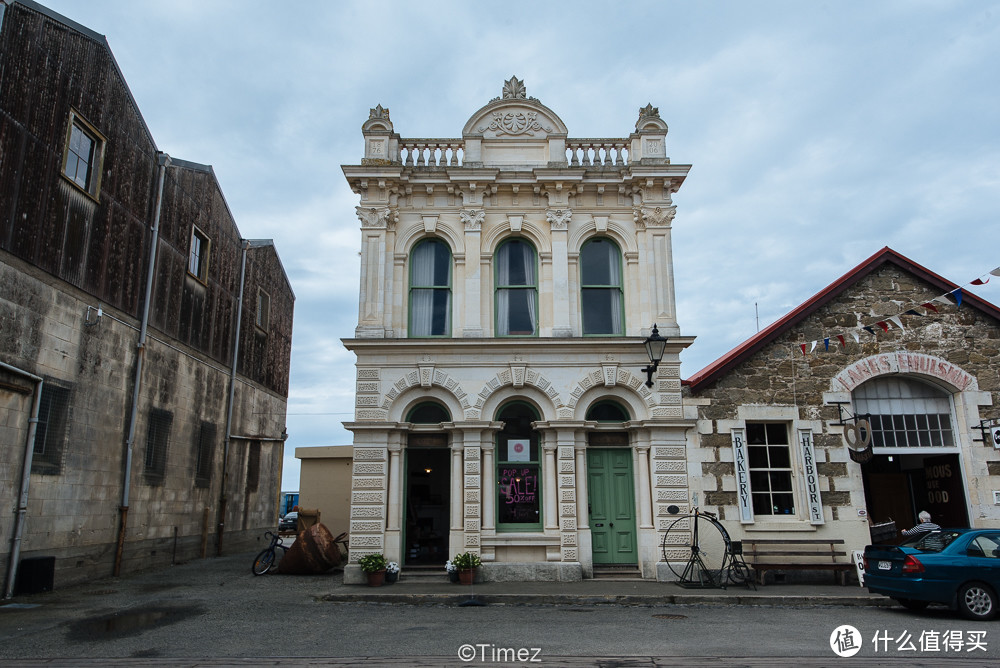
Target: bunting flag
(897,320)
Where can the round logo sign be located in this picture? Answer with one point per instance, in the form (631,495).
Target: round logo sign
(845,640)
(518,448)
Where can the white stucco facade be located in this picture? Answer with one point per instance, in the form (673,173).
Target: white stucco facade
(515,178)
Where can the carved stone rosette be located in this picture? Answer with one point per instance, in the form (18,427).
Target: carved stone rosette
(472,219)
(376,217)
(558,218)
(653,216)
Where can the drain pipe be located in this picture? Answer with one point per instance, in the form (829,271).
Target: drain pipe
(224,492)
(164,161)
(22,500)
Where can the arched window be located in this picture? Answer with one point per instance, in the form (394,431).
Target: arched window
(607,411)
(519,486)
(430,289)
(905,413)
(601,288)
(516,289)
(428,412)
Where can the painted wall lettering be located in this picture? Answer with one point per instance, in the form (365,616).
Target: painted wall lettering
(742,476)
(808,454)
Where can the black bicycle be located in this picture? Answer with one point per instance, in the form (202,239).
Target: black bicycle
(266,560)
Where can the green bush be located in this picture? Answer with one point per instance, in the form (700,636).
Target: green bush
(466,560)
(371,563)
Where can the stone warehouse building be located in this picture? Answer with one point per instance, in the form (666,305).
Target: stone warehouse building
(508,279)
(145,346)
(893,347)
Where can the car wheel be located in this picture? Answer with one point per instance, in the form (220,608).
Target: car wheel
(912,604)
(977,601)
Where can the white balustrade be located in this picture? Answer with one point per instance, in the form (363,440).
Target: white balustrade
(597,152)
(431,152)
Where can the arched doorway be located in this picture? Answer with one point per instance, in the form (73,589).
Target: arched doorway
(916,463)
(610,488)
(428,487)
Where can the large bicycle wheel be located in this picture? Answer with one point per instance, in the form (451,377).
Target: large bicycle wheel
(696,548)
(262,564)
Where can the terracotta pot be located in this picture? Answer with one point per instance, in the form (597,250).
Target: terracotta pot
(466,575)
(376,578)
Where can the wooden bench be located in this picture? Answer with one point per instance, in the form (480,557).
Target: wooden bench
(799,554)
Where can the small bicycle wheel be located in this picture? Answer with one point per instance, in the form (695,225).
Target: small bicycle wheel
(262,564)
(695,549)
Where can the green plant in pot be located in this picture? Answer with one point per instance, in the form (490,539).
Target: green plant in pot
(374,566)
(466,563)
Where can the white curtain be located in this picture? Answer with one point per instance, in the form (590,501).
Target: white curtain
(422,301)
(615,272)
(528,254)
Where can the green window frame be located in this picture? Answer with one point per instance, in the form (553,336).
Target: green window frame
(515,296)
(430,290)
(518,473)
(602,298)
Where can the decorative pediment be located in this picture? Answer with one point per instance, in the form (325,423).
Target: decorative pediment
(514,115)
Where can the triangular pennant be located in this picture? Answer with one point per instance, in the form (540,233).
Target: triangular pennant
(996,272)
(957,294)
(896,321)
(930,307)
(826,344)
(812,347)
(980,281)
(869,330)
(914,312)
(803,346)
(943,299)
(856,333)
(840,337)
(883,325)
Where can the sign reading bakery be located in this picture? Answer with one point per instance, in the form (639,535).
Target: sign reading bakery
(902,362)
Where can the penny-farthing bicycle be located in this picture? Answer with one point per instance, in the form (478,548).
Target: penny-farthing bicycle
(700,554)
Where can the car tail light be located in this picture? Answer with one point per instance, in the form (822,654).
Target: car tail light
(865,562)
(912,565)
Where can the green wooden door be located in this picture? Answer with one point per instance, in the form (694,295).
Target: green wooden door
(612,505)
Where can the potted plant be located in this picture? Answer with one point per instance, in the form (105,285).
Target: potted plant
(452,570)
(466,563)
(374,566)
(391,572)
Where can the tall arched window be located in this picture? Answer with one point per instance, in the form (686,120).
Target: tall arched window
(601,288)
(430,289)
(519,484)
(516,289)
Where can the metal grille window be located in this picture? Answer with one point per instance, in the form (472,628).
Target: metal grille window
(770,467)
(905,413)
(157,439)
(601,291)
(204,454)
(50,432)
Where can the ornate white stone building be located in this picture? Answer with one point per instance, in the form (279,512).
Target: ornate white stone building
(508,279)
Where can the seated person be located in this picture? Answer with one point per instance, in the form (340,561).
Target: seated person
(925,525)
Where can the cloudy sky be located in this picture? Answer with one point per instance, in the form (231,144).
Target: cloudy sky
(818,132)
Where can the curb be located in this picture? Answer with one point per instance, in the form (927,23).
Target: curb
(608,599)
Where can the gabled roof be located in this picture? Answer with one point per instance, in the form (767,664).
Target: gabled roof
(751,346)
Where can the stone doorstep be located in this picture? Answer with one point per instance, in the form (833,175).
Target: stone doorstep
(605,599)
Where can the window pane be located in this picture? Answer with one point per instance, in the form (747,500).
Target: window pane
(757,456)
(518,500)
(755,434)
(599,305)
(779,457)
(781,481)
(520,314)
(777,433)
(595,262)
(783,504)
(759,482)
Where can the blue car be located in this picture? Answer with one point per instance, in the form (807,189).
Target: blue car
(957,567)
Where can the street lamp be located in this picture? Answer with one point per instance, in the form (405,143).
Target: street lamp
(654,349)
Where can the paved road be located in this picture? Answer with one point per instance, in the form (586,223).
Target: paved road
(215,613)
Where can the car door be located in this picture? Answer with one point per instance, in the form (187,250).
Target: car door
(983,554)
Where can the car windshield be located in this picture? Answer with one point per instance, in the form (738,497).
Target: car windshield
(936,541)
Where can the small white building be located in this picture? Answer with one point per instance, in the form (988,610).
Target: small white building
(508,279)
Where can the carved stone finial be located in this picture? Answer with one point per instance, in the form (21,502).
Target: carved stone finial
(378,113)
(514,89)
(649,111)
